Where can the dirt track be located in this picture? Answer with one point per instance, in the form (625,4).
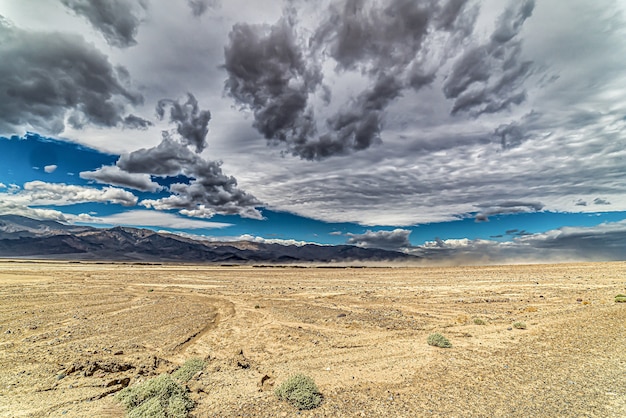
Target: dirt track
(67,330)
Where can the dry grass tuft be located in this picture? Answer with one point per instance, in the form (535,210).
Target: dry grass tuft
(300,391)
(438,340)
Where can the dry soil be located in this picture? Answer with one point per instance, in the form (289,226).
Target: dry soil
(72,334)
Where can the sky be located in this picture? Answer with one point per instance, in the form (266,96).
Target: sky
(458,130)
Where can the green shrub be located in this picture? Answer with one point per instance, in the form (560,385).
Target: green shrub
(519,325)
(159,397)
(185,372)
(479,321)
(438,340)
(620,298)
(300,391)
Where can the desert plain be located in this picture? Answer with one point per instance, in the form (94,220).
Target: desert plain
(72,334)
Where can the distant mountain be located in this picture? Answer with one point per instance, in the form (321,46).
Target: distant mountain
(22,237)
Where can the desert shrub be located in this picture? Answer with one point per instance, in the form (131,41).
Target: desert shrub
(159,397)
(300,391)
(519,325)
(438,340)
(620,298)
(185,372)
(479,321)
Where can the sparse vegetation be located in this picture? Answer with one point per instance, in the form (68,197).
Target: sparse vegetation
(300,391)
(438,340)
(478,321)
(620,298)
(185,372)
(163,396)
(519,325)
(257,306)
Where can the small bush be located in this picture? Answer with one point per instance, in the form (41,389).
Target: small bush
(438,340)
(479,321)
(300,391)
(185,372)
(519,325)
(620,298)
(159,397)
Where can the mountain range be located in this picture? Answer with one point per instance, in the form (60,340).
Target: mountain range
(22,237)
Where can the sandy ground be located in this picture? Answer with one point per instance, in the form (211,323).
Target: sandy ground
(71,333)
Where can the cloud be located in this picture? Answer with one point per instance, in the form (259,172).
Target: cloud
(150,218)
(209,191)
(12,208)
(277,77)
(192,124)
(488,78)
(386,39)
(600,201)
(117,20)
(40,193)
(48,77)
(602,242)
(389,240)
(136,122)
(268,73)
(20,201)
(3,186)
(117,177)
(199,7)
(253,238)
(50,168)
(505,208)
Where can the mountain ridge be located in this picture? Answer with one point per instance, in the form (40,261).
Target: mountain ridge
(22,237)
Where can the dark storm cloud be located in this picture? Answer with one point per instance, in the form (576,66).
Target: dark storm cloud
(600,201)
(507,207)
(135,122)
(192,124)
(45,77)
(388,240)
(117,20)
(268,73)
(166,159)
(355,128)
(488,78)
(372,39)
(117,177)
(385,43)
(209,190)
(273,74)
(511,135)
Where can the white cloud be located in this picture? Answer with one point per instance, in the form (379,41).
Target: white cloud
(149,218)
(59,194)
(50,168)
(389,240)
(252,238)
(24,201)
(3,186)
